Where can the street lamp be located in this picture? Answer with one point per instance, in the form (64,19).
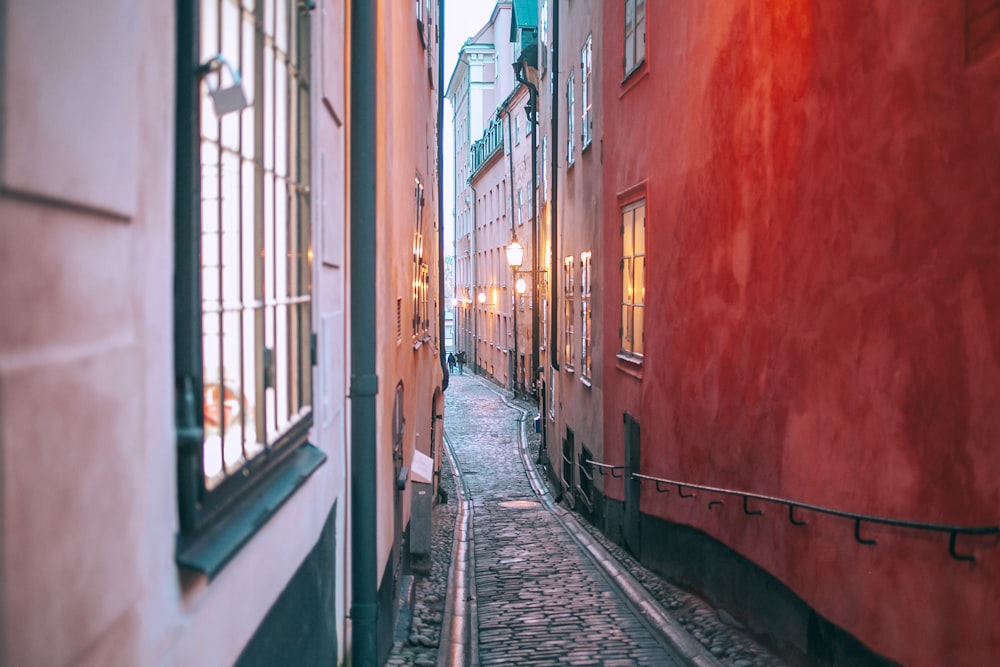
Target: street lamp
(515,255)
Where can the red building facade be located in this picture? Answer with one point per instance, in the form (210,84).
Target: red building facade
(810,193)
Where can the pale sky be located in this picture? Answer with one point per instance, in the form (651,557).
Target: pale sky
(463,19)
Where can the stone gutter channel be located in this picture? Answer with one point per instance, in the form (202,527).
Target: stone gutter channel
(427,637)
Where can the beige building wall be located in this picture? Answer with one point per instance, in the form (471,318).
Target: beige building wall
(409,354)
(87,434)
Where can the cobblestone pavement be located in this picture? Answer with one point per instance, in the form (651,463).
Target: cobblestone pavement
(521,553)
(540,599)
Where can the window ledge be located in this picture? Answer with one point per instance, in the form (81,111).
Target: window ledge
(630,365)
(632,79)
(586,381)
(208,551)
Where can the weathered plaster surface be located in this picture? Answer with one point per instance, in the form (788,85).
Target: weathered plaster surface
(823,316)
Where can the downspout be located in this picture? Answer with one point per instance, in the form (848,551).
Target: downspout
(554,282)
(364,381)
(440,190)
(475,283)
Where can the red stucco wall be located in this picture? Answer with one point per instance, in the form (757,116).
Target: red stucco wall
(823,297)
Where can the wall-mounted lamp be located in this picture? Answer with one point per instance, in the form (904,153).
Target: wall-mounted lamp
(515,254)
(482,297)
(520,286)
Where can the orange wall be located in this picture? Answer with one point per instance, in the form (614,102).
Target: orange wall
(823,296)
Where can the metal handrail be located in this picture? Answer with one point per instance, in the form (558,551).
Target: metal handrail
(663,486)
(604,469)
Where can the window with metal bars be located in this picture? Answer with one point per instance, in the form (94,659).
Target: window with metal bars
(243,263)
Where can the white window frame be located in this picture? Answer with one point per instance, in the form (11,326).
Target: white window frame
(568,313)
(633,280)
(570,118)
(586,316)
(586,93)
(635,35)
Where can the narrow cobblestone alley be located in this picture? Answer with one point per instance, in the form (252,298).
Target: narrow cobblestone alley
(540,598)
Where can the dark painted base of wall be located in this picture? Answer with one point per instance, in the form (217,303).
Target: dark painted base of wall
(300,628)
(769,609)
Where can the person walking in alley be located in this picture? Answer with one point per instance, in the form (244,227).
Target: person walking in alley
(461,362)
(451,362)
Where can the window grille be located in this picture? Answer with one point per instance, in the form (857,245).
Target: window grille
(243,253)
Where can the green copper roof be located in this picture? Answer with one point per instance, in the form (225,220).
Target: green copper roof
(524,15)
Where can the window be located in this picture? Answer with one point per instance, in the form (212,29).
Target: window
(568,313)
(585,317)
(517,129)
(552,394)
(420,286)
(520,206)
(570,117)
(243,267)
(586,99)
(633,268)
(635,34)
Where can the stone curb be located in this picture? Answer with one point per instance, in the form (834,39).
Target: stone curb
(459,642)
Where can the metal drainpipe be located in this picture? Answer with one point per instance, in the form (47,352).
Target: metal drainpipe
(554,282)
(440,190)
(475,284)
(364,381)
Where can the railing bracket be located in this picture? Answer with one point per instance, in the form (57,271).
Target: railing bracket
(954,554)
(857,533)
(746,508)
(791,517)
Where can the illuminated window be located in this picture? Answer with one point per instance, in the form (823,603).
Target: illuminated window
(243,266)
(635,34)
(586,96)
(420,286)
(633,268)
(568,330)
(585,316)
